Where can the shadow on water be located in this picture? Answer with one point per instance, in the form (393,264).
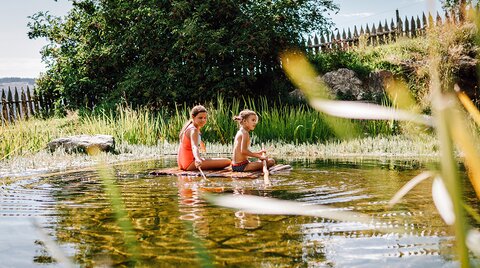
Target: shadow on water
(174,226)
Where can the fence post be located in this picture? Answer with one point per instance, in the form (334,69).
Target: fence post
(350,39)
(11,111)
(413,28)
(393,32)
(447,17)
(315,43)
(17,104)
(373,36)
(419,27)
(356,37)
(381,33)
(387,33)
(309,45)
(24,105)
(407,28)
(30,102)
(43,105)
(439,20)
(4,108)
(323,46)
(399,24)
(36,103)
(425,25)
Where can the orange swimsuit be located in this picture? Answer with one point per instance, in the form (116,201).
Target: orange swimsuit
(185,154)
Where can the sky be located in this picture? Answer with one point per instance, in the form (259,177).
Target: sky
(363,12)
(20,56)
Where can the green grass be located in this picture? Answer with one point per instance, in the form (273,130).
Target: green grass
(278,123)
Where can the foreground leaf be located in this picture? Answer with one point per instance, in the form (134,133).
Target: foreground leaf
(473,241)
(442,201)
(262,205)
(409,186)
(358,110)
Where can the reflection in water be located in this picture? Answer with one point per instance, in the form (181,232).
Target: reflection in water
(75,211)
(192,207)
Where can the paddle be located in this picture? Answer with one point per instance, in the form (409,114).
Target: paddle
(265,167)
(203,174)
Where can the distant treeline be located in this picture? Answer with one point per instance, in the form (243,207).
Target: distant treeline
(4,80)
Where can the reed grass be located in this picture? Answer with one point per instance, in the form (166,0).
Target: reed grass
(448,119)
(278,123)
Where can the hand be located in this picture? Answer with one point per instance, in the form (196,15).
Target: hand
(198,163)
(263,157)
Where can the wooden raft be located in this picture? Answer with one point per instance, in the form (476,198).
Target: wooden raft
(223,173)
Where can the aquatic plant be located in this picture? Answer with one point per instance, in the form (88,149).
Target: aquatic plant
(448,121)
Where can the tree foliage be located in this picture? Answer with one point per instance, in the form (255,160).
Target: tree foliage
(161,52)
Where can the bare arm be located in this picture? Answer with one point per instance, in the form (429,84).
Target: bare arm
(245,144)
(195,141)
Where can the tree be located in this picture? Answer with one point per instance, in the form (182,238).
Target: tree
(159,52)
(457,7)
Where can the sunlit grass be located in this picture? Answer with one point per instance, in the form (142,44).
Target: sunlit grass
(447,120)
(278,123)
(420,148)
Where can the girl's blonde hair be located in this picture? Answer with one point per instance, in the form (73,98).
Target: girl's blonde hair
(193,112)
(244,115)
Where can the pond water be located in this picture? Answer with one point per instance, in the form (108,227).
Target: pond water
(175,227)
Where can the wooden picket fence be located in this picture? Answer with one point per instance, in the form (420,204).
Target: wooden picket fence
(22,104)
(384,33)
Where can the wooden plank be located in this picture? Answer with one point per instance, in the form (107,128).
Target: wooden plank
(4,108)
(23,100)
(17,104)
(222,173)
(11,115)
(30,102)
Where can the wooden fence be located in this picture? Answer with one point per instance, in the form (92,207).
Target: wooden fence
(383,33)
(22,104)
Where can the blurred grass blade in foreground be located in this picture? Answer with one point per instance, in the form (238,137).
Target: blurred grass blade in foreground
(468,104)
(358,110)
(409,186)
(468,143)
(262,205)
(442,201)
(52,247)
(473,241)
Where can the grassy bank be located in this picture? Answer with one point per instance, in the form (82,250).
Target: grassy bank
(286,124)
(424,148)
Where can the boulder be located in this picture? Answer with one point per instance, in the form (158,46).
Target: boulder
(297,95)
(344,84)
(83,143)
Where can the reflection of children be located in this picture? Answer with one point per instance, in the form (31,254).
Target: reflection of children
(247,121)
(188,157)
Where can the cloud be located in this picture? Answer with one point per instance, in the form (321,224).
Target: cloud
(21,67)
(357,15)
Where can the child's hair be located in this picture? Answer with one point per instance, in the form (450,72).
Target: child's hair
(243,115)
(193,112)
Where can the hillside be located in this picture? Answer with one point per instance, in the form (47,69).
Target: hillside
(17,82)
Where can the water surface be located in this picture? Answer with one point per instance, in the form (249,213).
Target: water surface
(175,227)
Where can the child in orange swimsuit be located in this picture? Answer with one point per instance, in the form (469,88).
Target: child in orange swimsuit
(188,157)
(247,121)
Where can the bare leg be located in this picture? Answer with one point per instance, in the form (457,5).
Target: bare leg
(258,165)
(211,163)
(254,166)
(270,162)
